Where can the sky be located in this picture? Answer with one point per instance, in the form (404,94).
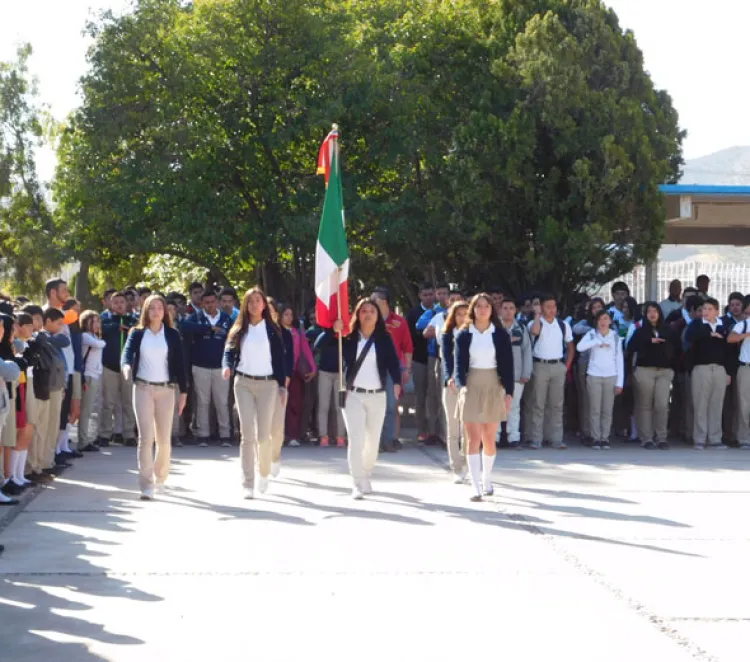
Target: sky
(693,48)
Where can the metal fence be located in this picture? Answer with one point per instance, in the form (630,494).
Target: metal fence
(726,277)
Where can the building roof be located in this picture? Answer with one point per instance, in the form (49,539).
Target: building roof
(703,189)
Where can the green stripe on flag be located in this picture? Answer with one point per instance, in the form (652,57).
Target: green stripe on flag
(332,235)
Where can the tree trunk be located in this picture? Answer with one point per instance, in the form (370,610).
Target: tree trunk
(83,286)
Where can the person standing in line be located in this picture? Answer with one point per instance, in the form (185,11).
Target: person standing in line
(328,389)
(484,374)
(279,411)
(116,391)
(673,301)
(522,366)
(708,346)
(303,371)
(453,437)
(620,292)
(154,358)
(205,334)
(730,420)
(702,283)
(582,365)
(93,347)
(10,376)
(255,354)
(654,347)
(419,359)
(604,377)
(398,327)
(553,353)
(740,335)
(369,357)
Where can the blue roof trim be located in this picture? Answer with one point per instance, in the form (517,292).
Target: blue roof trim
(699,189)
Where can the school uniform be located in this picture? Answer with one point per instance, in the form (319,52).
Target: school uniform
(522,366)
(605,374)
(92,377)
(580,369)
(282,402)
(708,380)
(257,359)
(654,372)
(456,449)
(743,386)
(157,364)
(364,412)
(730,413)
(550,349)
(116,392)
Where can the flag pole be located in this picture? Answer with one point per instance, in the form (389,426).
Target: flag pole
(342,390)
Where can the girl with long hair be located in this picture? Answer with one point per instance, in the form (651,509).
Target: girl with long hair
(654,347)
(484,374)
(580,329)
(93,346)
(369,357)
(456,451)
(8,430)
(279,413)
(255,355)
(604,376)
(154,358)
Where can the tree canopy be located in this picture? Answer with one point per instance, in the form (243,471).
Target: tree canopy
(507,143)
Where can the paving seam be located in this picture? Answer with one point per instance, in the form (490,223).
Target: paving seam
(14,511)
(634,605)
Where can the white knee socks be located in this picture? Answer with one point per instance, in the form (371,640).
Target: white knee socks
(19,466)
(488,461)
(475,469)
(62,440)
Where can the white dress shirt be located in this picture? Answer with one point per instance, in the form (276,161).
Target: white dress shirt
(741,328)
(438,323)
(213,320)
(255,352)
(549,343)
(153,362)
(92,355)
(368,376)
(605,355)
(482,349)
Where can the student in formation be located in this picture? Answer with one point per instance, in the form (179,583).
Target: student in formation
(456,447)
(93,346)
(740,335)
(485,376)
(522,366)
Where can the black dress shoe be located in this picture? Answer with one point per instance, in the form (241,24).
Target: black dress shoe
(90,448)
(476,498)
(61,460)
(132,443)
(432,440)
(10,502)
(12,489)
(102,442)
(76,455)
(117,439)
(397,444)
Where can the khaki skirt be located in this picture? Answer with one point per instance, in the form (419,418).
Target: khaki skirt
(483,399)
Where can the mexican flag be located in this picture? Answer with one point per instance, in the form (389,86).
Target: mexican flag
(331,252)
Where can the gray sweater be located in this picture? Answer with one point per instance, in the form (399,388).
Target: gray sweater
(521,343)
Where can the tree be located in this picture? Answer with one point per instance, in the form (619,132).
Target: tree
(519,143)
(28,243)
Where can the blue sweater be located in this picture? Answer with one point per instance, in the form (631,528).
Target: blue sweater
(503,354)
(279,359)
(328,353)
(206,348)
(175,357)
(448,343)
(115,338)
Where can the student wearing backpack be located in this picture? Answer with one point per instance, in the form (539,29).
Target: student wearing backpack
(604,376)
(553,354)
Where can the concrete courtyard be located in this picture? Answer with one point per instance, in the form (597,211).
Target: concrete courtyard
(581,555)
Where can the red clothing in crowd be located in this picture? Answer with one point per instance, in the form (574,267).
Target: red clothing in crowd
(399,330)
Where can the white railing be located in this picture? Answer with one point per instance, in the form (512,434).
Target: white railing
(726,277)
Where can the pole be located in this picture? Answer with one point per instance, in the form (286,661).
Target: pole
(342,390)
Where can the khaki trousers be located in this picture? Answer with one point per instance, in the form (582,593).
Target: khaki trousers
(435,417)
(115,390)
(51,429)
(547,400)
(601,396)
(513,426)
(652,402)
(364,415)
(277,429)
(708,384)
(584,415)
(154,408)
(456,449)
(88,404)
(743,404)
(419,376)
(210,385)
(328,392)
(256,401)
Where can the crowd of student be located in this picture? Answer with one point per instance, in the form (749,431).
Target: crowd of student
(208,369)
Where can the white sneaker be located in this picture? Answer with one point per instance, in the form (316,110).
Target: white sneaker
(357,493)
(365,486)
(160,488)
(294,443)
(275,468)
(147,494)
(263,485)
(248,493)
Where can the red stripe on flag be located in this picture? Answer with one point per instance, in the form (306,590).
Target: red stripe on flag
(325,316)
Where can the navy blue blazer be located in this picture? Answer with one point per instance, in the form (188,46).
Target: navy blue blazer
(233,349)
(447,343)
(288,351)
(175,356)
(503,354)
(385,351)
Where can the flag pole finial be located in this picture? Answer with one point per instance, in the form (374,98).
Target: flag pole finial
(334,127)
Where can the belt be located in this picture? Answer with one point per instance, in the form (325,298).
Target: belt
(536,360)
(266,378)
(147,383)
(356,389)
